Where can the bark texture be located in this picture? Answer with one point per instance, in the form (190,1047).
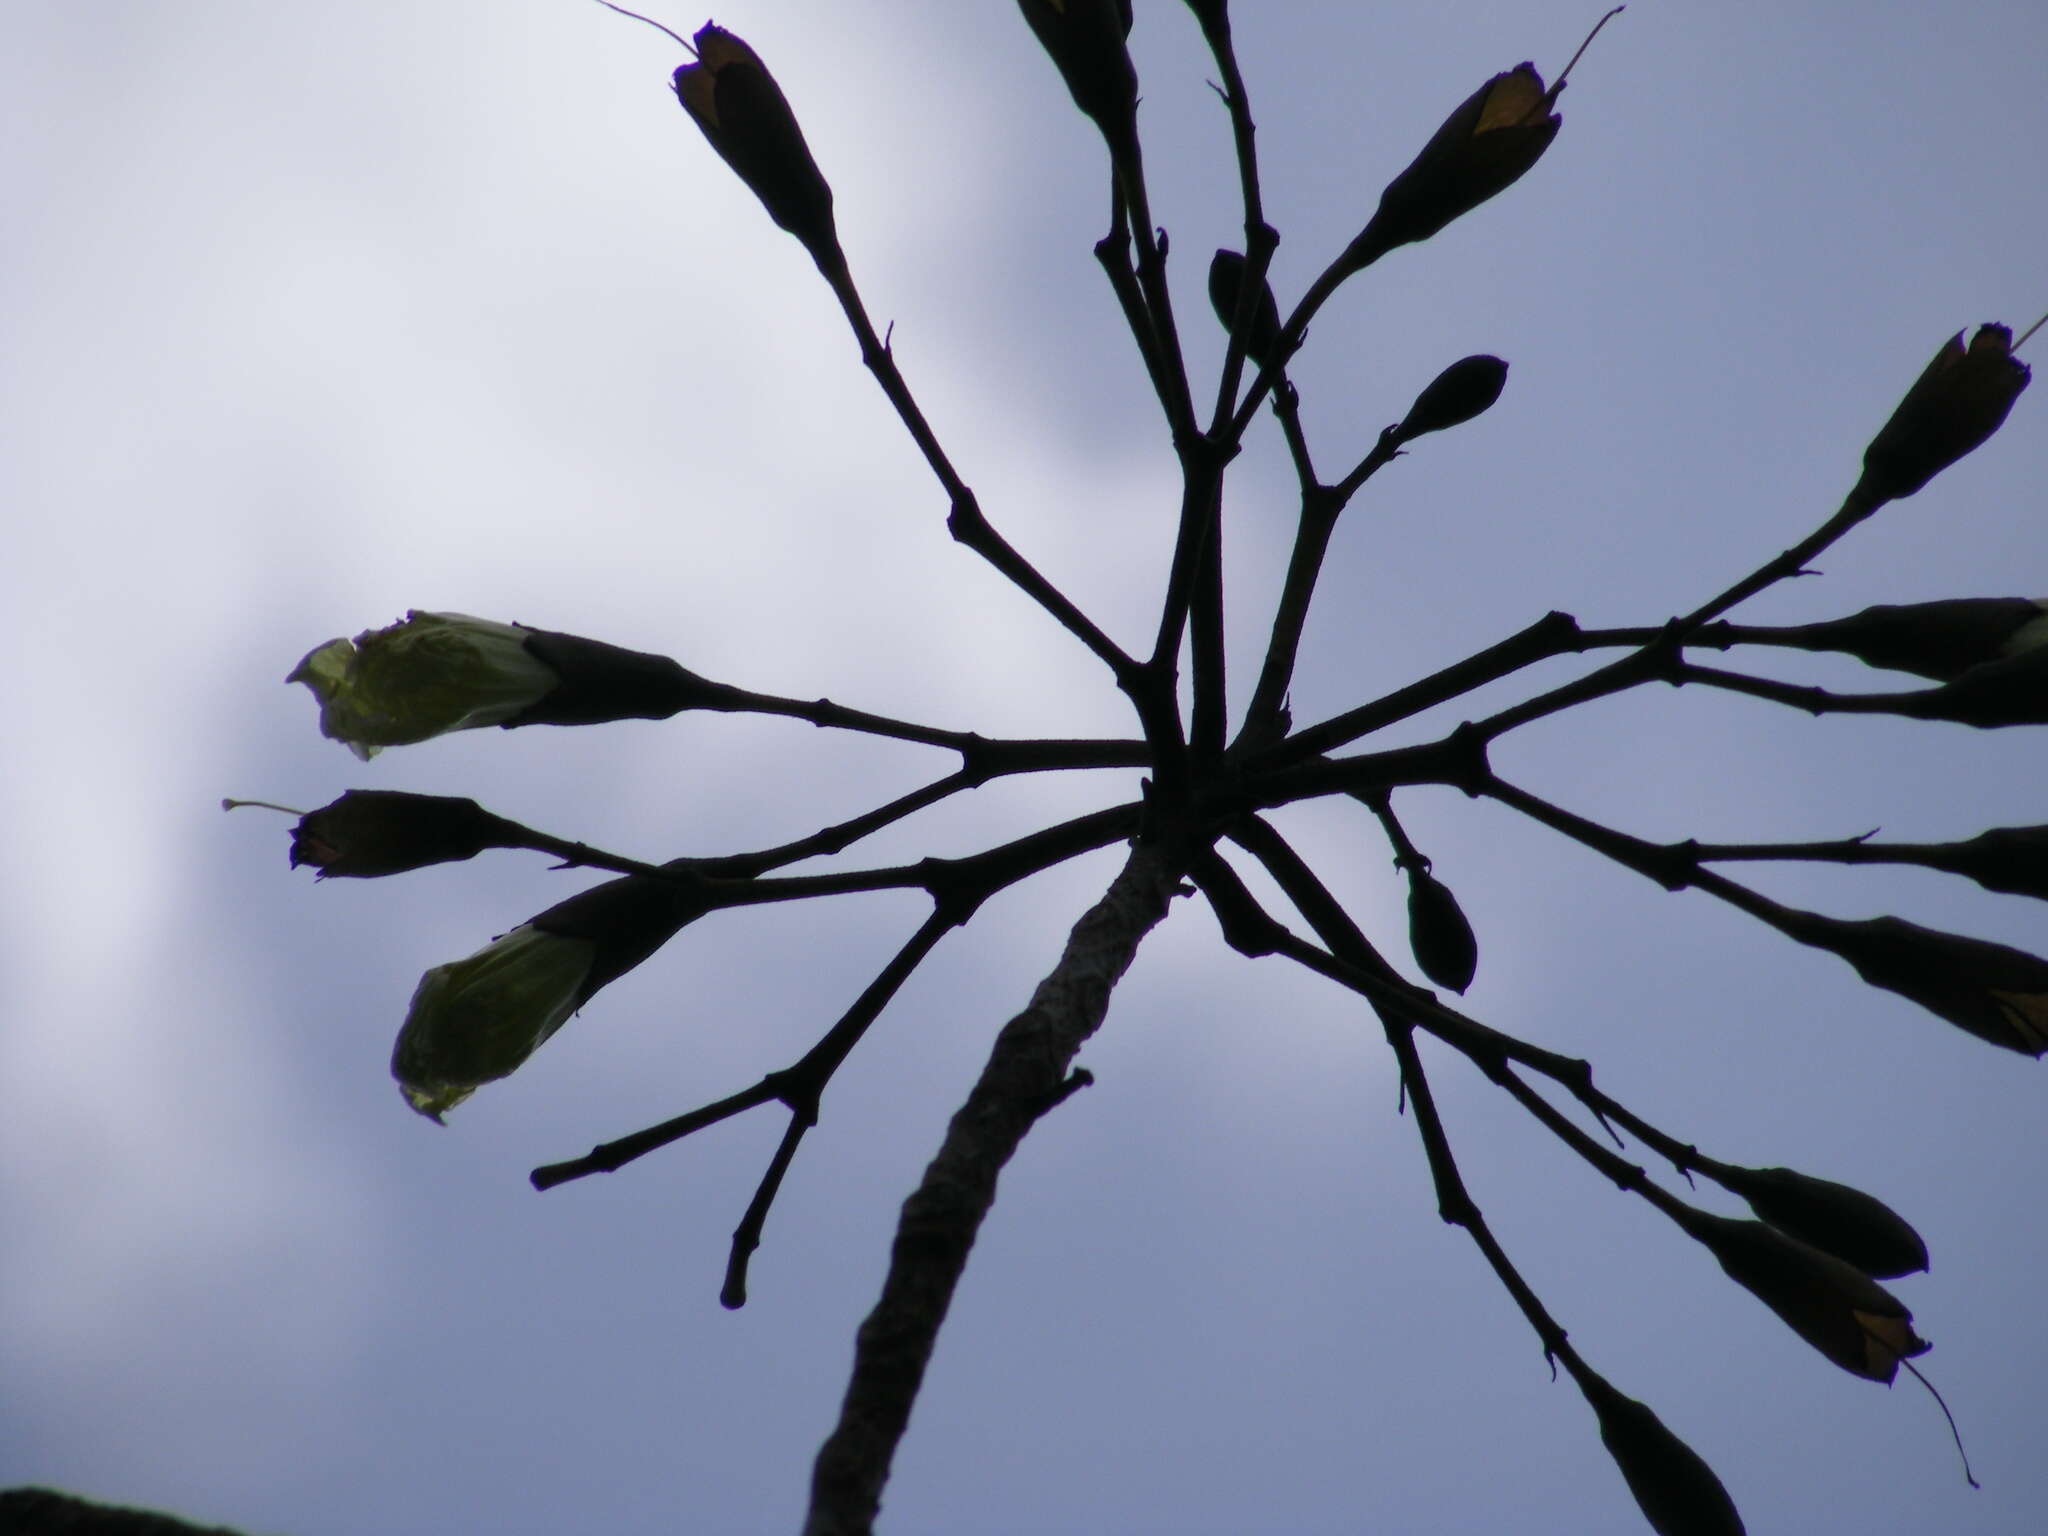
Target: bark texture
(1025,1076)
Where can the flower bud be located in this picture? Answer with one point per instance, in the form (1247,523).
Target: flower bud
(729,93)
(369,832)
(1831,1304)
(1677,1491)
(1226,286)
(440,672)
(2013,860)
(1942,640)
(1957,402)
(2012,690)
(1438,933)
(1085,39)
(1856,1228)
(476,1020)
(1462,391)
(1484,147)
(1996,993)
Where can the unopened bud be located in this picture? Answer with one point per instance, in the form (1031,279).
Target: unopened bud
(1677,1491)
(371,832)
(1831,1304)
(1462,391)
(1438,932)
(1085,39)
(1996,993)
(1957,402)
(2012,690)
(1942,640)
(1856,1228)
(729,93)
(2013,860)
(1226,289)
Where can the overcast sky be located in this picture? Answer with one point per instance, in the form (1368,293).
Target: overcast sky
(316,314)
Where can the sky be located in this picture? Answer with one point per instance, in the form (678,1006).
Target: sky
(317,314)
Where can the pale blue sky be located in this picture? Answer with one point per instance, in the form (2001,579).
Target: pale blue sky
(316,314)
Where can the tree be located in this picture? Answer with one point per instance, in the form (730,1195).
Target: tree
(1419,467)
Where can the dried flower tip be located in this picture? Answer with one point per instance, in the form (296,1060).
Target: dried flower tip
(1958,401)
(1226,289)
(1466,389)
(371,832)
(1856,1228)
(730,95)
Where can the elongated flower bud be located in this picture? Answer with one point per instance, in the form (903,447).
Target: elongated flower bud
(2013,860)
(2012,690)
(439,672)
(1484,147)
(1996,993)
(1856,1228)
(1677,1491)
(474,1021)
(371,832)
(1085,40)
(1444,944)
(1941,640)
(730,95)
(1831,1304)
(1958,401)
(1226,286)
(1462,391)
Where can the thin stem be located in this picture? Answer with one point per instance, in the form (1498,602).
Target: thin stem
(966,521)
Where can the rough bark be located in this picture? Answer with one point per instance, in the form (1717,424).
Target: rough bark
(1026,1074)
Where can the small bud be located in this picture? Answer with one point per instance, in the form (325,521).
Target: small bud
(1957,402)
(1462,391)
(1677,1491)
(1831,1304)
(441,672)
(1085,39)
(1226,285)
(370,832)
(729,93)
(476,1020)
(1996,993)
(1438,933)
(1941,640)
(1856,1228)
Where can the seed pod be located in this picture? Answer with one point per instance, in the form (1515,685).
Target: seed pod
(1462,391)
(1444,944)
(1856,1228)
(1226,286)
